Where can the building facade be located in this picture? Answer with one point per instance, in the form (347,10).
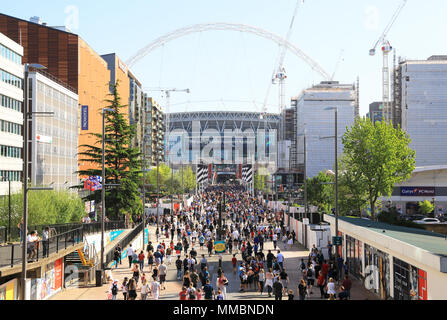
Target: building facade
(375,112)
(154,129)
(318,124)
(420,107)
(54,142)
(11,115)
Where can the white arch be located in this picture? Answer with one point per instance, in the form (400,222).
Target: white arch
(227,26)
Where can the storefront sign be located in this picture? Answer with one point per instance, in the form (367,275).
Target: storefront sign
(84,118)
(417,191)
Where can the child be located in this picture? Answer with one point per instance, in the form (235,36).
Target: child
(219,295)
(291,295)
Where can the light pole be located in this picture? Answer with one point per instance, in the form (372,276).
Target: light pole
(336,180)
(25,171)
(306,209)
(158,185)
(103,189)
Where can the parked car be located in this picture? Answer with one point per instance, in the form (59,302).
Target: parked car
(414,217)
(427,221)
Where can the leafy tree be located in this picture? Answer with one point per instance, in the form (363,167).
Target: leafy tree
(260,182)
(122,162)
(351,197)
(426,207)
(378,156)
(188,177)
(320,191)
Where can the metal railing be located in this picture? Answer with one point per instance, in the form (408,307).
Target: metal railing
(3,234)
(56,229)
(11,254)
(109,257)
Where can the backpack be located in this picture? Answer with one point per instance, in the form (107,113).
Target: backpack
(309,273)
(114,290)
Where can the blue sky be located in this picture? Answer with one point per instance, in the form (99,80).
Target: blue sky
(233,69)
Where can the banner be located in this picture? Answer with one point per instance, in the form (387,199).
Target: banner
(417,191)
(84,117)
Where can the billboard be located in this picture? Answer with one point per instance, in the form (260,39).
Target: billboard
(417,191)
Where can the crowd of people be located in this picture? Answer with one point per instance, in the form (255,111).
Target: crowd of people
(226,214)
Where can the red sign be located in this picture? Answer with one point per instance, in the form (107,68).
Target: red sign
(58,274)
(422,284)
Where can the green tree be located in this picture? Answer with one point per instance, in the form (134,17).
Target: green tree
(260,182)
(164,179)
(426,207)
(122,162)
(320,191)
(351,197)
(378,156)
(189,180)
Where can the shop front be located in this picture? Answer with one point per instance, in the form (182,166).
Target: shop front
(354,256)
(378,265)
(410,283)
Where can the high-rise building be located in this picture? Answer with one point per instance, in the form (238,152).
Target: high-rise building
(375,112)
(420,107)
(318,124)
(154,128)
(54,139)
(11,115)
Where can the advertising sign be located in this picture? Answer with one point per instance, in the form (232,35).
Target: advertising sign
(219,246)
(58,264)
(417,191)
(44,139)
(84,117)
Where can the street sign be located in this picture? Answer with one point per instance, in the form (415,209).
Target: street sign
(305,220)
(337,241)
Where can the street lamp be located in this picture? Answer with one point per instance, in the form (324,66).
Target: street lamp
(305,178)
(25,171)
(336,181)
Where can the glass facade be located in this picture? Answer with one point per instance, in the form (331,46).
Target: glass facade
(410,283)
(10,103)
(10,127)
(10,152)
(354,256)
(11,175)
(10,55)
(11,79)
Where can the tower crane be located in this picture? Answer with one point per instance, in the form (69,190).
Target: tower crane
(167,92)
(386,49)
(279,76)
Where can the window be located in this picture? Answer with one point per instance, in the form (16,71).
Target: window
(11,79)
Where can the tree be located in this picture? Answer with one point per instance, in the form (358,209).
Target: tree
(189,180)
(320,191)
(426,207)
(122,162)
(351,197)
(260,182)
(378,156)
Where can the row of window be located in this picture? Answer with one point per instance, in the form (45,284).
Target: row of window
(10,152)
(11,175)
(10,127)
(10,55)
(11,79)
(10,103)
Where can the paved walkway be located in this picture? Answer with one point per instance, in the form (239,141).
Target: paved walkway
(173,286)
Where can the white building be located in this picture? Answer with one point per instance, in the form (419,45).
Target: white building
(11,115)
(318,124)
(54,145)
(421,94)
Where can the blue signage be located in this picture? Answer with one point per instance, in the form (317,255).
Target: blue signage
(84,117)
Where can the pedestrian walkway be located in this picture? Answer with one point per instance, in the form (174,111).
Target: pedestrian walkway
(173,286)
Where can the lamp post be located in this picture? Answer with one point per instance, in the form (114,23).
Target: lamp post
(103,189)
(25,171)
(336,180)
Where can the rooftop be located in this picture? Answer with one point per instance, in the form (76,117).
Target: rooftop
(432,242)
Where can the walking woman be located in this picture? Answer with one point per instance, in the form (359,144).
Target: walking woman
(132,289)
(321,282)
(331,289)
(124,288)
(261,280)
(150,260)
(269,282)
(302,289)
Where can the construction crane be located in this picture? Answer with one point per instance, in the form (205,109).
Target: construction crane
(167,92)
(279,76)
(386,49)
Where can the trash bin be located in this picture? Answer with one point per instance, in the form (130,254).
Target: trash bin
(107,275)
(99,278)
